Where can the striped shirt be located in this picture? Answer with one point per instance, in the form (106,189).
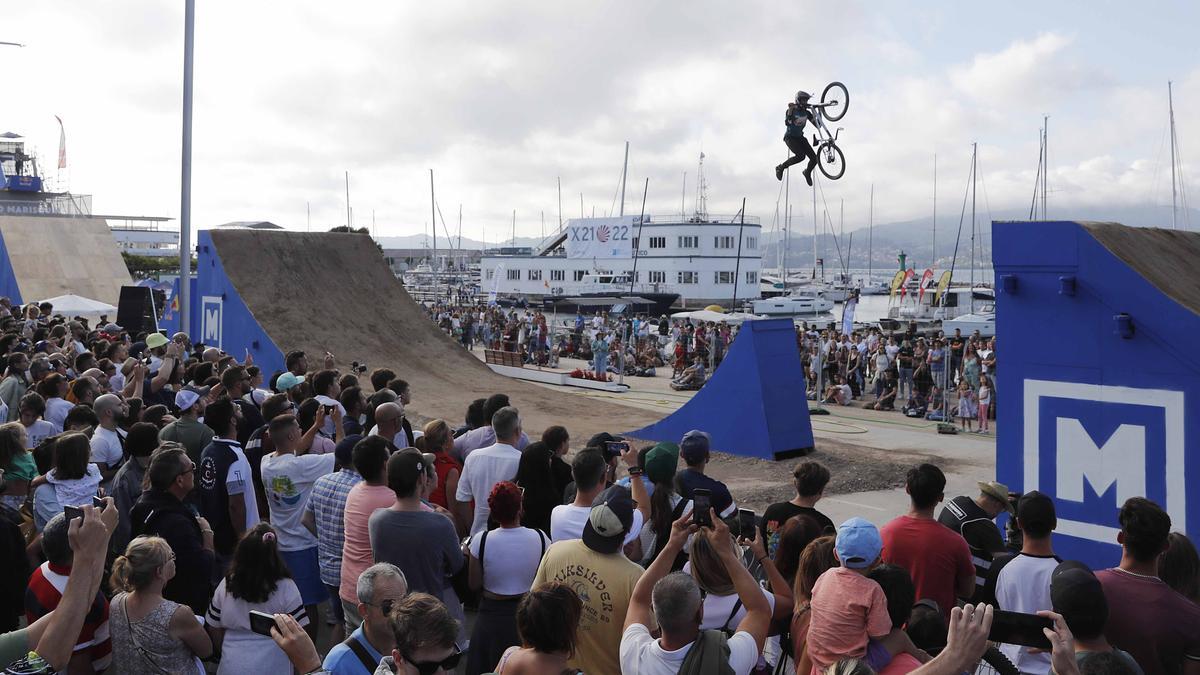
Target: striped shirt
(328,505)
(45,590)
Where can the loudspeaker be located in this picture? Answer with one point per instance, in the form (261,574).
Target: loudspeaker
(136,310)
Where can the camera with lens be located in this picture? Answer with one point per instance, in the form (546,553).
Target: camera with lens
(357,367)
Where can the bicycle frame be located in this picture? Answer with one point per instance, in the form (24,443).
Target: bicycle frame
(819,125)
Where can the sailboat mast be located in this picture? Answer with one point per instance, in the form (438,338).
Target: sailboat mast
(560,221)
(1045,161)
(934,265)
(624,173)
(433,220)
(814,200)
(1174,198)
(787,226)
(870,232)
(974,181)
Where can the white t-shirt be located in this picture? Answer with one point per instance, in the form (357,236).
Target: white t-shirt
(56,412)
(483,469)
(327,428)
(1023,585)
(567,521)
(106,447)
(38,431)
(243,650)
(717,609)
(510,559)
(288,481)
(237,482)
(642,654)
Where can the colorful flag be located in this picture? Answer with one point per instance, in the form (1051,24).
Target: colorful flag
(62,144)
(926,277)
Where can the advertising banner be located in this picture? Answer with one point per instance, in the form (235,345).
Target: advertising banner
(599,238)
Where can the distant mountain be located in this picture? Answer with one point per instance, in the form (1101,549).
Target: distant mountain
(425,241)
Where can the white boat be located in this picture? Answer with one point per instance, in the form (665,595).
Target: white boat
(922,311)
(983,321)
(796,303)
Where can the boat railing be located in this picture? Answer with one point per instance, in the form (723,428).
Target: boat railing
(706,219)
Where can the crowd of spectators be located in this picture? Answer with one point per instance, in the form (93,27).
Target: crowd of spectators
(160,502)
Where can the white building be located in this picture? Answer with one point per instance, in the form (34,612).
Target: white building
(698,258)
(144,235)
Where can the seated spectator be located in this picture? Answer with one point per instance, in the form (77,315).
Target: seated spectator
(675,602)
(809,479)
(1179,566)
(380,587)
(606,589)
(151,634)
(1158,626)
(1077,595)
(548,625)
(424,632)
(258,580)
(937,558)
(504,576)
(694,449)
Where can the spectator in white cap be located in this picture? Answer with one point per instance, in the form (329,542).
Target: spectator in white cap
(607,586)
(188,430)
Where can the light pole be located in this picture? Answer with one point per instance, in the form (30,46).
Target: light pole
(185,192)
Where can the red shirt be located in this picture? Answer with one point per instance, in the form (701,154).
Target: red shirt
(936,557)
(45,590)
(443,463)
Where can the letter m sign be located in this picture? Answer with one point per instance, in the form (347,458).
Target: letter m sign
(1091,447)
(211,319)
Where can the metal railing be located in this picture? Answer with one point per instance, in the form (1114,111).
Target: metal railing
(48,205)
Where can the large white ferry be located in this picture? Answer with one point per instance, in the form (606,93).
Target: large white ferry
(647,262)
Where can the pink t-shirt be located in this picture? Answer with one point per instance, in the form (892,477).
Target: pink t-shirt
(847,608)
(901,664)
(362,501)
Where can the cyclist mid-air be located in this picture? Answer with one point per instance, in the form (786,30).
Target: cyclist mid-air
(798,114)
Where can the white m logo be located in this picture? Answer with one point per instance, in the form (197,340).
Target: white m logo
(210,321)
(1121,460)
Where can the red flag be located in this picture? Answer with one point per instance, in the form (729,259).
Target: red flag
(908,274)
(62,144)
(926,277)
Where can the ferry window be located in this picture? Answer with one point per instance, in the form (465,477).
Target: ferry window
(658,242)
(723,277)
(751,243)
(579,275)
(723,242)
(690,241)
(557,275)
(535,275)
(514,275)
(491,273)
(657,277)
(689,278)
(752,277)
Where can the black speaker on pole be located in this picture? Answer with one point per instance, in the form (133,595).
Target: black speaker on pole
(137,310)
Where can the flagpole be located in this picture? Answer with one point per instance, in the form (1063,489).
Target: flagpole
(185,193)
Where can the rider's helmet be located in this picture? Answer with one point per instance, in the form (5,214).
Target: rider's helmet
(802,96)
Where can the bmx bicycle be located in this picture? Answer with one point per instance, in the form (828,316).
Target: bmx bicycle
(835,100)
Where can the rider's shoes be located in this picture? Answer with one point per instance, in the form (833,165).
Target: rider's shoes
(808,178)
(779,172)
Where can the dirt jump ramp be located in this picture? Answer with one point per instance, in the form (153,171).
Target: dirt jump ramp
(269,292)
(46,256)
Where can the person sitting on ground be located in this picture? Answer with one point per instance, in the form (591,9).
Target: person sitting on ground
(692,376)
(1179,566)
(379,588)
(606,589)
(548,625)
(887,392)
(151,634)
(974,519)
(503,577)
(424,632)
(1077,595)
(849,612)
(258,580)
(809,479)
(1158,626)
(676,603)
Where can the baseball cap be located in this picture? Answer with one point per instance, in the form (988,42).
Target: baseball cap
(185,398)
(608,521)
(858,543)
(695,445)
(1076,592)
(111,328)
(661,462)
(997,491)
(286,381)
(156,340)
(1035,510)
(602,439)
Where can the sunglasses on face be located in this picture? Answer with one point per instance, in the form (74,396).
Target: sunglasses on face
(385,606)
(447,664)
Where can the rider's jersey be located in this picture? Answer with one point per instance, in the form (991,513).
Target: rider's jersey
(794,119)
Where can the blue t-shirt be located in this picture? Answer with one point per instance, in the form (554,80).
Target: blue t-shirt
(794,119)
(342,660)
(688,481)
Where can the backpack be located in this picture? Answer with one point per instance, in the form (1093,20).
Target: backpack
(709,655)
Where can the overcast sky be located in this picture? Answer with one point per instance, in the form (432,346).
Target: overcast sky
(501,99)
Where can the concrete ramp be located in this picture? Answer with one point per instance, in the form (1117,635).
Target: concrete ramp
(270,292)
(45,256)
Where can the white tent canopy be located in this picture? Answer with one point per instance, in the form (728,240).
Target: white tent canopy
(71,305)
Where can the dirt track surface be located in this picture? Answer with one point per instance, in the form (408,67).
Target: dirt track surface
(334,292)
(1164,257)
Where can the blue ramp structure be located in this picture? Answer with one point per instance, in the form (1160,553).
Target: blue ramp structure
(754,405)
(1099,376)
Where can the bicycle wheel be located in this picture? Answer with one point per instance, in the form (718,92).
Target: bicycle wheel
(836,100)
(998,661)
(831,161)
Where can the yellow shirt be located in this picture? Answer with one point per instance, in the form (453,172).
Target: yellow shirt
(604,583)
